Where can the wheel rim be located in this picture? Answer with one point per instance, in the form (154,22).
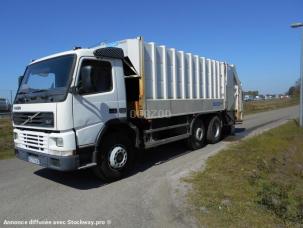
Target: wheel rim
(199,134)
(216,129)
(117,157)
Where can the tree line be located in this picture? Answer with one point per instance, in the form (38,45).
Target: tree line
(295,89)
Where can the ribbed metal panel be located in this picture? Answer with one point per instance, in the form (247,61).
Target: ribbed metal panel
(171,74)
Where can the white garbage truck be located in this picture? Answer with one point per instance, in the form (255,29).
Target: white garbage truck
(97,107)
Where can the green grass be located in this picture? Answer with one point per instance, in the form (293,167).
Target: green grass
(251,107)
(6,139)
(257,182)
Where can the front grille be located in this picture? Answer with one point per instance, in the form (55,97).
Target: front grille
(36,119)
(33,141)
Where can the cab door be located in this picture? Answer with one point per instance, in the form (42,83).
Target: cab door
(93,108)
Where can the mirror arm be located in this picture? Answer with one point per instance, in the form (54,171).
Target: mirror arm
(74,90)
(20,78)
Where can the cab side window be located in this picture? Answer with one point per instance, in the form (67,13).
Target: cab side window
(101,77)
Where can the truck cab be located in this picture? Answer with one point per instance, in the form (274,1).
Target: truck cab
(62,105)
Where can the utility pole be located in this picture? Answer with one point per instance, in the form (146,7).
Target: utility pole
(300,25)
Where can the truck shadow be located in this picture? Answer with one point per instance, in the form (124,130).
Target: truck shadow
(243,132)
(80,179)
(85,179)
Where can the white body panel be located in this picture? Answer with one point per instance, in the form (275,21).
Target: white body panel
(175,82)
(91,111)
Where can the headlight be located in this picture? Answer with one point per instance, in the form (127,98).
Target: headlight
(59,142)
(15,135)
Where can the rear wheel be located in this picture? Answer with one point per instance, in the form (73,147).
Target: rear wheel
(197,137)
(214,130)
(115,158)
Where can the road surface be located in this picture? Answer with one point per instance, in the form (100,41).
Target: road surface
(153,196)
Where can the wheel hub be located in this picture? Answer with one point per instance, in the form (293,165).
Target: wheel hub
(118,157)
(199,134)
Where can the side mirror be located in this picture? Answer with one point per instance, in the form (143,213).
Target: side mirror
(86,79)
(20,78)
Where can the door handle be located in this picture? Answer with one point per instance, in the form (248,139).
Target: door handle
(112,110)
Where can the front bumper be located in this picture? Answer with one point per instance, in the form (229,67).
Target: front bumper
(62,163)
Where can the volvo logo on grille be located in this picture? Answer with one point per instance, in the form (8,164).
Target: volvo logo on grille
(40,119)
(30,118)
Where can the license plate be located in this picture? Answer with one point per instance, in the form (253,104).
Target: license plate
(33,160)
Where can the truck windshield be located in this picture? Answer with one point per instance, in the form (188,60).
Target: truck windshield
(46,81)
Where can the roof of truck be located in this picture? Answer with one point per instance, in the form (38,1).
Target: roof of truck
(82,51)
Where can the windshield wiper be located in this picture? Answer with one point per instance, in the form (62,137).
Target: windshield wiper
(39,90)
(22,93)
(21,96)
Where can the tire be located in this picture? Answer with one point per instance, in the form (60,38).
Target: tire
(115,158)
(198,135)
(214,130)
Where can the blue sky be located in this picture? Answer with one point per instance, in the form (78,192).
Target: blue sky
(255,35)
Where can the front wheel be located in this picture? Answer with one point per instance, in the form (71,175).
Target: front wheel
(115,158)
